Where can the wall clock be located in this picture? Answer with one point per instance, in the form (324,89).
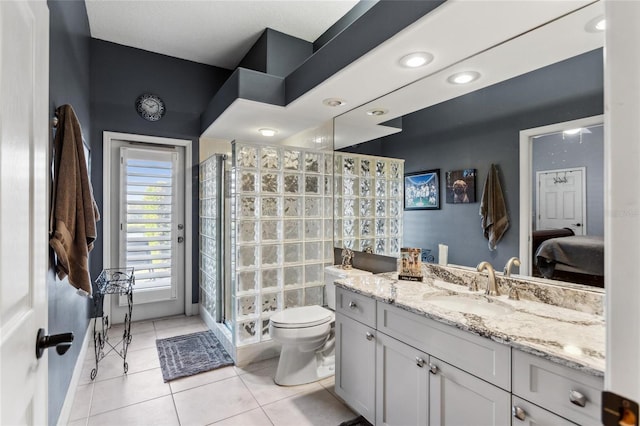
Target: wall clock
(150,107)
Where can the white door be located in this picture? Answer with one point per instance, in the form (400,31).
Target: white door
(148,222)
(24,176)
(561,200)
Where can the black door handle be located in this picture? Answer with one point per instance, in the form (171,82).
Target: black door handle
(577,224)
(62,342)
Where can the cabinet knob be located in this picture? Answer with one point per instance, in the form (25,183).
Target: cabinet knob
(518,413)
(353,305)
(419,362)
(577,398)
(433,369)
(369,336)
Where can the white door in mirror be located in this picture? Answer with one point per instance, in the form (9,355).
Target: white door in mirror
(561,200)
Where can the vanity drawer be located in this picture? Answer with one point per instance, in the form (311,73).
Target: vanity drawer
(476,355)
(550,385)
(529,414)
(356,306)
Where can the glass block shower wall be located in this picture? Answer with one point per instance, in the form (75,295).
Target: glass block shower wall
(368,203)
(208,235)
(282,233)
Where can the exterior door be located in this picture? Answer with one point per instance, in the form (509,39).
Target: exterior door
(24,188)
(561,200)
(148,223)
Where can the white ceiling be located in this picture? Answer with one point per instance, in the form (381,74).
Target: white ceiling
(468,33)
(459,33)
(211,32)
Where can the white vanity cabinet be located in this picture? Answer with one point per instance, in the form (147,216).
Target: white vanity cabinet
(356,352)
(413,388)
(564,391)
(459,398)
(397,367)
(528,414)
(402,383)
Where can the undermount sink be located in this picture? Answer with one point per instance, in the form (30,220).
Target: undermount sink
(469,304)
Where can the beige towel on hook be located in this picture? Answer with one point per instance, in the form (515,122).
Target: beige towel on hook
(74,212)
(495,220)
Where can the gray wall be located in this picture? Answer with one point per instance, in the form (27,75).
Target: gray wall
(119,74)
(478,129)
(69,45)
(551,152)
(276,53)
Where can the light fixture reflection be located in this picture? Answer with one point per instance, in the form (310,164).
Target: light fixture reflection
(377,111)
(572,131)
(267,132)
(463,77)
(596,25)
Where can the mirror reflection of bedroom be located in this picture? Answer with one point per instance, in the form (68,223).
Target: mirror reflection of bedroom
(567,190)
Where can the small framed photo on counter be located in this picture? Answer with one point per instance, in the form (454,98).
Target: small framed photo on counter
(410,264)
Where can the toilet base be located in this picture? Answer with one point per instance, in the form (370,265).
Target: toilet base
(297,368)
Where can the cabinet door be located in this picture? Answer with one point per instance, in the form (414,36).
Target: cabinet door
(527,414)
(355,365)
(402,377)
(458,398)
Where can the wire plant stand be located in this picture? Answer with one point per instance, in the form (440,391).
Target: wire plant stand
(118,281)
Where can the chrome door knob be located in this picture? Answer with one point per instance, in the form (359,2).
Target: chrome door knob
(518,413)
(369,336)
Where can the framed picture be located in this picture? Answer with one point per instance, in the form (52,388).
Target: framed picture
(461,186)
(422,190)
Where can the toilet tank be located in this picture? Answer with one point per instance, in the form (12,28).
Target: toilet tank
(335,272)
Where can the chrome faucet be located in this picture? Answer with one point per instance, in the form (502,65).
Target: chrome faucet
(514,261)
(492,288)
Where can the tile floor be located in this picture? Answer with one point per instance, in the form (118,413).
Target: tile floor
(223,397)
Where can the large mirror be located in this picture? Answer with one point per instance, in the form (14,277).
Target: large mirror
(546,76)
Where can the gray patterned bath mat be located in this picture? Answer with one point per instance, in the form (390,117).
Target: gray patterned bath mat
(190,354)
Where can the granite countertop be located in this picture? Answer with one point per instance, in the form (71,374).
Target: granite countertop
(569,337)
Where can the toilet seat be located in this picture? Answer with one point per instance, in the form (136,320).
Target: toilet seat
(302,317)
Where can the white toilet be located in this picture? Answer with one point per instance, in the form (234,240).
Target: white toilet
(307,337)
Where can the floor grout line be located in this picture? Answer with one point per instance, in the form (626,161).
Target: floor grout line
(125,406)
(201,385)
(236,373)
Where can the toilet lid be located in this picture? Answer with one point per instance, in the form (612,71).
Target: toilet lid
(304,316)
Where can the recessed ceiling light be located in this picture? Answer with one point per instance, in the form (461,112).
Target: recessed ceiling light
(267,132)
(333,102)
(463,77)
(596,25)
(377,111)
(416,59)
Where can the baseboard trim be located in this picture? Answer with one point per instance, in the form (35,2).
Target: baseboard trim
(195,309)
(65,412)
